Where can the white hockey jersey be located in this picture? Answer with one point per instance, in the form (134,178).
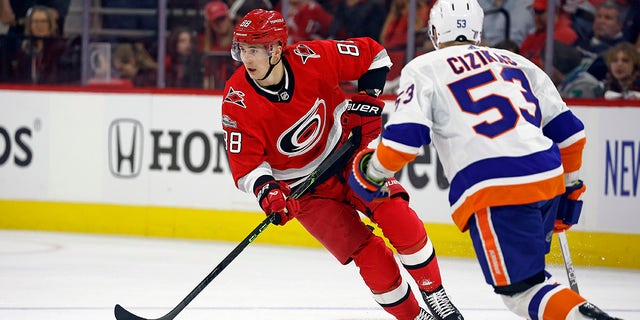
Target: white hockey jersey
(496,121)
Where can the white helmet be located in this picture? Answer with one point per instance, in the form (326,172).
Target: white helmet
(455,20)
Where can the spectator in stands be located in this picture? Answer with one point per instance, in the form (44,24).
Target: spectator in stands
(218,34)
(570,75)
(358,18)
(307,20)
(394,34)
(39,55)
(61,8)
(607,32)
(14,13)
(495,22)
(184,62)
(623,77)
(582,13)
(133,63)
(606,28)
(533,43)
(218,31)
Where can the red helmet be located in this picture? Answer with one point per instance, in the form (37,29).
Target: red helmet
(261,27)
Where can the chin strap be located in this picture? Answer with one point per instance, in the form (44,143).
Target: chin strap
(271,66)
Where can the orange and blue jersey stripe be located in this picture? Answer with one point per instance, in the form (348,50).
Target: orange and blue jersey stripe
(568,132)
(505,181)
(401,144)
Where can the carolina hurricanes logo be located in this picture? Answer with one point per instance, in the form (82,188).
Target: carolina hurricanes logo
(305,53)
(305,133)
(235,97)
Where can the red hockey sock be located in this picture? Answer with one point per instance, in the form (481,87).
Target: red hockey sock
(399,301)
(408,310)
(381,273)
(422,265)
(406,232)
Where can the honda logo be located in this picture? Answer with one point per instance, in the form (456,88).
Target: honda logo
(125,148)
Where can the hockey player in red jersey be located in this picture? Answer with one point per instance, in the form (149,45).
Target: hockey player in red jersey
(283,113)
(510,148)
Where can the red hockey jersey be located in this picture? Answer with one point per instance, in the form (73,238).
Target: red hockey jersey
(287,133)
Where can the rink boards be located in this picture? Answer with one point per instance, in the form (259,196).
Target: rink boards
(154,164)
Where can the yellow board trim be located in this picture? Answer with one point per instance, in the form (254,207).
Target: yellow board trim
(588,248)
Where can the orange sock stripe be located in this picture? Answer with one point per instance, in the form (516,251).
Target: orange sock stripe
(561,303)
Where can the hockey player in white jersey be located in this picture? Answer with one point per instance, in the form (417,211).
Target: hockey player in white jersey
(510,148)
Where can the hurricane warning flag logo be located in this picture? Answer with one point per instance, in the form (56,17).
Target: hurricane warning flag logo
(235,97)
(305,53)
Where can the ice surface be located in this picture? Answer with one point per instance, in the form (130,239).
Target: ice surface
(65,276)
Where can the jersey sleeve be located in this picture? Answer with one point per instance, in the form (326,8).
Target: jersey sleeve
(244,149)
(560,124)
(353,57)
(408,127)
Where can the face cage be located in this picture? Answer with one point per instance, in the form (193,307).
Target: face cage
(235,50)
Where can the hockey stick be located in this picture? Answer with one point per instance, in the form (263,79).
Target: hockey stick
(344,150)
(568,264)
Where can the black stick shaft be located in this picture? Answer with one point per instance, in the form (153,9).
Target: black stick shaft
(123,314)
(344,150)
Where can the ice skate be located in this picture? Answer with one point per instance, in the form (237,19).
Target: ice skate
(424,315)
(592,312)
(440,306)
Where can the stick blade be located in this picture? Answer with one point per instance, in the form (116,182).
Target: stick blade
(122,314)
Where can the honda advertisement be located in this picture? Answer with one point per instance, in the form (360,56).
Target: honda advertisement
(145,149)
